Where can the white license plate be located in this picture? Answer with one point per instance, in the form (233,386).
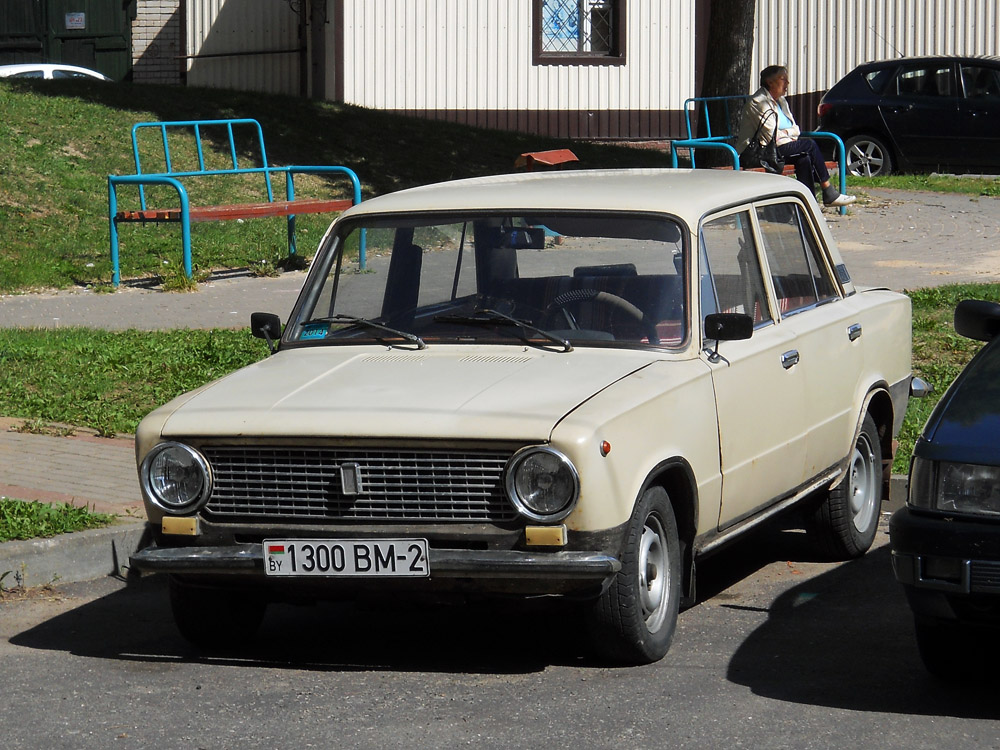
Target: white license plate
(372,558)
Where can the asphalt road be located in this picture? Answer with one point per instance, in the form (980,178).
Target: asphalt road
(781,652)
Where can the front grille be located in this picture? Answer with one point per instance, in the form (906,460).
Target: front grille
(307,484)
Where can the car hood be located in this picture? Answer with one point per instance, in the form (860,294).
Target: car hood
(965,424)
(449,392)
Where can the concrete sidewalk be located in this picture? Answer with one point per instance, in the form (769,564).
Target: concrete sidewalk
(891,238)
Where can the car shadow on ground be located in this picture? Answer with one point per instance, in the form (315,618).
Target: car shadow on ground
(845,639)
(134,623)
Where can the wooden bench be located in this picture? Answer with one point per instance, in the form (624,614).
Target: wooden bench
(186,214)
(721,136)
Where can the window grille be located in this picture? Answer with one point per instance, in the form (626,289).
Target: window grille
(579,27)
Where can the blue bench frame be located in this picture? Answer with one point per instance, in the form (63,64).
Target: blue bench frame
(723,141)
(186,214)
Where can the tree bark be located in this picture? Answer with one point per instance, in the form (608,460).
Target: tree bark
(727,67)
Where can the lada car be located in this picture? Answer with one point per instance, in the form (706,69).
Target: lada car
(570,383)
(946,540)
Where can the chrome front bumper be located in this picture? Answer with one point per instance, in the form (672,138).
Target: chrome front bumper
(248,560)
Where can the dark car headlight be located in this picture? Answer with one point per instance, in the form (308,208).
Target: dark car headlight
(542,484)
(176,477)
(971,489)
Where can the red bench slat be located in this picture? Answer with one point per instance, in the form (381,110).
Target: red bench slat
(789,169)
(241,211)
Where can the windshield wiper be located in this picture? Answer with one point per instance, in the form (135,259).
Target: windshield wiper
(367,323)
(486,316)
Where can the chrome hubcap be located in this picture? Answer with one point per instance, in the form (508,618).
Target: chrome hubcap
(863,485)
(654,574)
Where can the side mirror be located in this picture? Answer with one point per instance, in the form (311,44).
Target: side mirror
(266,326)
(728,326)
(977,319)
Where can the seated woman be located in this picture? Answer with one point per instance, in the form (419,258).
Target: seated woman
(767,109)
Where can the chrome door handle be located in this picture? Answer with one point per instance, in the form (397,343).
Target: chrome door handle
(854,331)
(789,359)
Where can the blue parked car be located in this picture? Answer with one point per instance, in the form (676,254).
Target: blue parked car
(946,541)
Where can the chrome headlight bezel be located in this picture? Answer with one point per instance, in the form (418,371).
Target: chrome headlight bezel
(518,480)
(185,459)
(955,488)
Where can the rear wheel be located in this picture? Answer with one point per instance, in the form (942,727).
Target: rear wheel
(634,620)
(845,522)
(214,617)
(867,156)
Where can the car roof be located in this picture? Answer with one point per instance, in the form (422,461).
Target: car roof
(930,58)
(14,69)
(685,193)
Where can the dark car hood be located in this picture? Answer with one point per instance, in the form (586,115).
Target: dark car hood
(965,425)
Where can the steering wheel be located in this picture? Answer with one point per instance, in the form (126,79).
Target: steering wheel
(561,303)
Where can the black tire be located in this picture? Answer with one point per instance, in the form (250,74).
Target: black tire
(215,618)
(844,523)
(633,621)
(868,156)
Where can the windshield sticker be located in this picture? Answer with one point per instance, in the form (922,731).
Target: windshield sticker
(314,331)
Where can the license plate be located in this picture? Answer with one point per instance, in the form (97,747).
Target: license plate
(372,558)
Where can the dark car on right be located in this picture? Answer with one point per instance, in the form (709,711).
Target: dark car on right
(917,114)
(946,541)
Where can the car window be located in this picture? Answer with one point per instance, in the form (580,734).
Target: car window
(980,82)
(735,268)
(800,277)
(878,79)
(28,74)
(926,80)
(590,278)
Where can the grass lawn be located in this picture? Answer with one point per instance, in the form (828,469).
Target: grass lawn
(21,519)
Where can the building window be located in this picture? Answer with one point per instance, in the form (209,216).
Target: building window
(579,32)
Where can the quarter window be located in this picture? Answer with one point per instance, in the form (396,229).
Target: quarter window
(579,32)
(800,277)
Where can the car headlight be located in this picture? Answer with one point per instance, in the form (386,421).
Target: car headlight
(971,489)
(542,484)
(176,477)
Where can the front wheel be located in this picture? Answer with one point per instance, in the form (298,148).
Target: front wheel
(845,522)
(634,620)
(867,156)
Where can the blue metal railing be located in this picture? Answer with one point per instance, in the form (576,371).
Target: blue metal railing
(699,105)
(171,178)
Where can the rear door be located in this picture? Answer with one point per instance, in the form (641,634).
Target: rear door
(920,109)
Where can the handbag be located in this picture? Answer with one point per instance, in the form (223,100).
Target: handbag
(756,156)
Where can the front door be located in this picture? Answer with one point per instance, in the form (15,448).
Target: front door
(759,389)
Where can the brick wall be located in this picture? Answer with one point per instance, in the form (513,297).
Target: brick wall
(157,42)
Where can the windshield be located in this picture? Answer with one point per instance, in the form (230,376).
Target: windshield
(553,281)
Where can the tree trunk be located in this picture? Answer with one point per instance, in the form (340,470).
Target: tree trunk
(727,68)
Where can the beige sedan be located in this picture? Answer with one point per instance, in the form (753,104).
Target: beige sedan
(565,383)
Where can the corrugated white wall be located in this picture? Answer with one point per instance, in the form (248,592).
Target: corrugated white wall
(477,54)
(822,40)
(250,45)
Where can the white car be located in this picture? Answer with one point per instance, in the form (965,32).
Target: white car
(49,71)
(567,383)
